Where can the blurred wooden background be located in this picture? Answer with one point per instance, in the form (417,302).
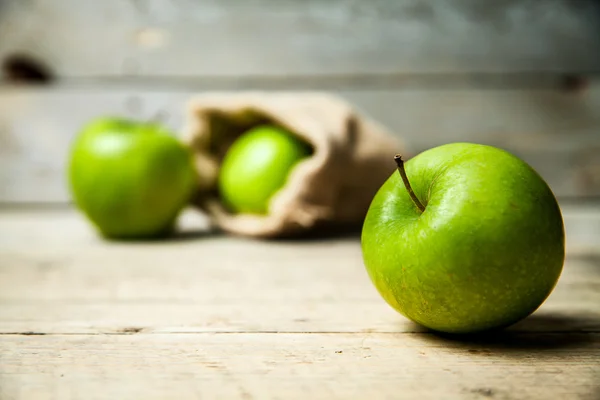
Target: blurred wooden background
(518,74)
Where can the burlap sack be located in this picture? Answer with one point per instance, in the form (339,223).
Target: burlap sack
(331,190)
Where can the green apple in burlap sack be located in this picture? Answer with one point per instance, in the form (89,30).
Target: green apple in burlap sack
(257,165)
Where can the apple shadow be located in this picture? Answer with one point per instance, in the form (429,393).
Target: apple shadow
(175,236)
(193,235)
(539,337)
(537,333)
(320,234)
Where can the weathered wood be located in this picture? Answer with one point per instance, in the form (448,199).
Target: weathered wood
(563,312)
(219,317)
(298,366)
(556,132)
(56,276)
(282,38)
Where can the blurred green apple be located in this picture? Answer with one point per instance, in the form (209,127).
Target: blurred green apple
(256,166)
(478,245)
(131,179)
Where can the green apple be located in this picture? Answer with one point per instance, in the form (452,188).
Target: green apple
(479,245)
(131,179)
(256,166)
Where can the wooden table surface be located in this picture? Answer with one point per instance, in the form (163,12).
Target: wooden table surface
(208,316)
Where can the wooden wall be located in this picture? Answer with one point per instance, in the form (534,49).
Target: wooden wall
(518,74)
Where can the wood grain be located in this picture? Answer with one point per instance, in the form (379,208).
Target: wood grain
(283,38)
(56,276)
(562,313)
(207,316)
(298,366)
(556,132)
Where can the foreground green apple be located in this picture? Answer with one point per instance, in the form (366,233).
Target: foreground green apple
(256,166)
(131,179)
(480,244)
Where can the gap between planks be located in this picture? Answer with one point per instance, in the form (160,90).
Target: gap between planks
(144,331)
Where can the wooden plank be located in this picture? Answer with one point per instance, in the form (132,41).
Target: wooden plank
(555,132)
(215,317)
(299,366)
(57,277)
(283,38)
(563,312)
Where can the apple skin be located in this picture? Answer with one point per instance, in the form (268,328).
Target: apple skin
(256,166)
(486,252)
(131,179)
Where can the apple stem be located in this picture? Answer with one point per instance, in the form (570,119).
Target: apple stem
(415,199)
